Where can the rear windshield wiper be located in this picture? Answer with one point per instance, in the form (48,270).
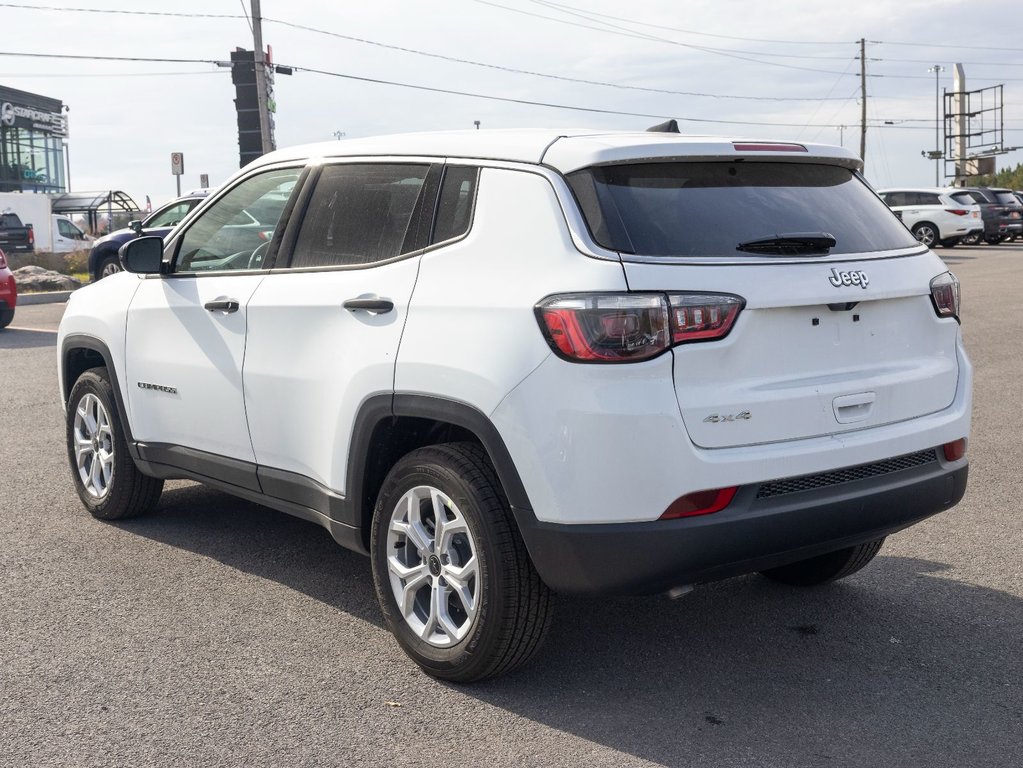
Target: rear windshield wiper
(792,244)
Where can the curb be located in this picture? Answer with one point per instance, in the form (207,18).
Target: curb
(45,297)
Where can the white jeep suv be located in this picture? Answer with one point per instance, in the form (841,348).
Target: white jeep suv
(934,216)
(504,364)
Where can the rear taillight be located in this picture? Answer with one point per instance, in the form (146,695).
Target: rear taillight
(958,211)
(945,295)
(699,503)
(629,327)
(31,236)
(702,316)
(606,328)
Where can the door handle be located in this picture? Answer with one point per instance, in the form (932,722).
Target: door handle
(222,305)
(374,305)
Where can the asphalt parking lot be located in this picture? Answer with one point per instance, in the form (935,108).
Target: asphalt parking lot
(217,632)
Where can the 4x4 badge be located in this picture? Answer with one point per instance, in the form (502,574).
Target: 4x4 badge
(838,279)
(717,418)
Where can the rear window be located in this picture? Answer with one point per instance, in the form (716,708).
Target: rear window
(1006,198)
(708,208)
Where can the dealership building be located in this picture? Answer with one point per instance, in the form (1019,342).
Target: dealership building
(32,133)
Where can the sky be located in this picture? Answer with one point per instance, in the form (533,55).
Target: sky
(779,70)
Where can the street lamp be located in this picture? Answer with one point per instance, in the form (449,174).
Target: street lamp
(937,69)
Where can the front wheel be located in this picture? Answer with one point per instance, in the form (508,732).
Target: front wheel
(452,576)
(110,265)
(825,568)
(105,476)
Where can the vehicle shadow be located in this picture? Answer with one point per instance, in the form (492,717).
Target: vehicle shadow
(20,338)
(265,543)
(899,665)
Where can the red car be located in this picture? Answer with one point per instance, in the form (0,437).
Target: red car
(8,293)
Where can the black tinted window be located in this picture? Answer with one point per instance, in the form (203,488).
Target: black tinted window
(454,211)
(708,208)
(965,198)
(358,214)
(1006,198)
(895,198)
(926,198)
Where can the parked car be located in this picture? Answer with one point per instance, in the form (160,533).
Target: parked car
(103,259)
(1001,211)
(16,236)
(933,216)
(504,364)
(8,292)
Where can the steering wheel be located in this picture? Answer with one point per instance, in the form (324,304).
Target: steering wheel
(256,259)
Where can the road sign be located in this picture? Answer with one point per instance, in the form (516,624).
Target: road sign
(204,180)
(177,163)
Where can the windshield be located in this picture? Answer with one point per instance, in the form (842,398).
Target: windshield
(709,208)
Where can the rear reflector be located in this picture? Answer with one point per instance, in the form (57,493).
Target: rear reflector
(955,450)
(700,503)
(769,147)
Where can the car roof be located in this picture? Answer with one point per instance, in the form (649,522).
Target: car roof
(564,150)
(934,190)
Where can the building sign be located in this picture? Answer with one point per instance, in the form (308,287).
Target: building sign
(20,116)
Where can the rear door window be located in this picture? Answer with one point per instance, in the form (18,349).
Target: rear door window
(709,208)
(360,214)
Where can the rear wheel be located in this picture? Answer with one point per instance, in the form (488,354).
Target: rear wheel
(950,242)
(993,240)
(971,239)
(6,317)
(825,568)
(107,480)
(452,575)
(926,233)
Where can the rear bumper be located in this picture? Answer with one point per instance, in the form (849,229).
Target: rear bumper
(751,534)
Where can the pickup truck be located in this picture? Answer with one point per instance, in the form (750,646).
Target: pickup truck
(15,237)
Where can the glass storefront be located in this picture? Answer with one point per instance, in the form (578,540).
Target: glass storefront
(33,129)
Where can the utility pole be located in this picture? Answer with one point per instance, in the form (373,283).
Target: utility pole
(937,69)
(261,90)
(863,99)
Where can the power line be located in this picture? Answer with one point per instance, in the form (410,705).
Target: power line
(246,12)
(944,45)
(693,31)
(109,58)
(25,6)
(514,70)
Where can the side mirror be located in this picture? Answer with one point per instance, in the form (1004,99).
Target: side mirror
(143,256)
(135,226)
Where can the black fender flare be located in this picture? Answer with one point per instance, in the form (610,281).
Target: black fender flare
(379,408)
(75,341)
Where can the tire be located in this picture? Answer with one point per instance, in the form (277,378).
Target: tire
(970,239)
(926,233)
(992,240)
(6,317)
(497,614)
(108,265)
(105,476)
(825,568)
(950,242)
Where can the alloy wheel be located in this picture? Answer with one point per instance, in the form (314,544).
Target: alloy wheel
(94,446)
(433,567)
